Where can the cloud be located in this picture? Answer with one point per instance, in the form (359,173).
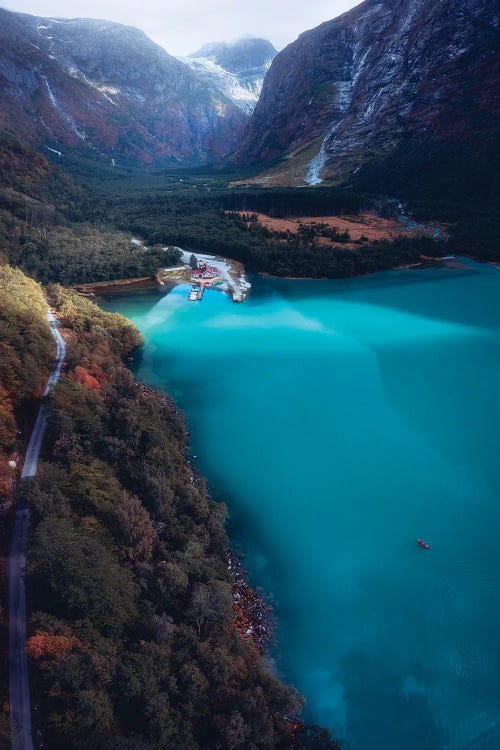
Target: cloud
(181,26)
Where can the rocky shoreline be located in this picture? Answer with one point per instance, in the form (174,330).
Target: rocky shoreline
(254,617)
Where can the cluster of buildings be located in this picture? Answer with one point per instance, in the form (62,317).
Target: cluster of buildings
(201,277)
(205,272)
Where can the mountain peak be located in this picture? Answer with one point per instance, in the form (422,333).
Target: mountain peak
(236,68)
(245,53)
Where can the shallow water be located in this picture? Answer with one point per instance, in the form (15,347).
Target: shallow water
(341,420)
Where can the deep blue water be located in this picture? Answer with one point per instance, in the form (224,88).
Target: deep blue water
(341,420)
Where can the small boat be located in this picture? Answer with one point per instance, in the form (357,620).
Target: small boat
(423,544)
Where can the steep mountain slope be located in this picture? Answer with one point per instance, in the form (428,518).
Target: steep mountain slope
(107,89)
(387,78)
(237,69)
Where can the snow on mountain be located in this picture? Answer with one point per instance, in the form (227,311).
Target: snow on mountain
(228,83)
(109,92)
(236,69)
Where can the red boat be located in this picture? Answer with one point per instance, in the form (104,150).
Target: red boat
(423,544)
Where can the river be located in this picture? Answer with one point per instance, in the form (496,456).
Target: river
(341,420)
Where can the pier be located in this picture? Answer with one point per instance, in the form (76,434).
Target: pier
(196,293)
(216,273)
(209,271)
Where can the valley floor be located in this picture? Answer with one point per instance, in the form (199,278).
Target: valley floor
(366,226)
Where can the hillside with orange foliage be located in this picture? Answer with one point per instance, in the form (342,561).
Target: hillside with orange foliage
(365,226)
(44,645)
(89,379)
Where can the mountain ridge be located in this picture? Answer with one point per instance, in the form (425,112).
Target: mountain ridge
(107,90)
(351,91)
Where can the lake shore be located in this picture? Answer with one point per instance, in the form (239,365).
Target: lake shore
(427,262)
(120,285)
(254,618)
(312,535)
(231,278)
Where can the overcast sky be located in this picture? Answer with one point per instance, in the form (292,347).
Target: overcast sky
(181,26)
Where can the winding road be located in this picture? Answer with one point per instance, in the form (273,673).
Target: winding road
(20,702)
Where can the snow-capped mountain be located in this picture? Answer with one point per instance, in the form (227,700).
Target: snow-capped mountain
(108,91)
(237,69)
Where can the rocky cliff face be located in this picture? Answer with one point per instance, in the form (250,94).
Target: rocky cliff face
(352,92)
(237,69)
(105,89)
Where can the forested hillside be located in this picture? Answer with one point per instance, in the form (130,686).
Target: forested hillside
(47,226)
(133,642)
(26,353)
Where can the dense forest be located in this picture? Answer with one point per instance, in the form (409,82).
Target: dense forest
(47,227)
(26,351)
(436,171)
(196,225)
(26,354)
(203,218)
(133,642)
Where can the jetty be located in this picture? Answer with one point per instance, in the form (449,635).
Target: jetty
(211,271)
(196,294)
(207,271)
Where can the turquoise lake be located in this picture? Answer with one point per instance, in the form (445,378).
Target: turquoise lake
(339,421)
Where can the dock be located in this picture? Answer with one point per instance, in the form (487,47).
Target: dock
(196,294)
(210,271)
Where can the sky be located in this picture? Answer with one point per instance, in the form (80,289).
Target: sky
(182,26)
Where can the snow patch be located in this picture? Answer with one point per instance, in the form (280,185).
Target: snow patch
(104,90)
(245,97)
(109,99)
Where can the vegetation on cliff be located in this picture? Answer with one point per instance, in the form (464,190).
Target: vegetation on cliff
(26,353)
(133,641)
